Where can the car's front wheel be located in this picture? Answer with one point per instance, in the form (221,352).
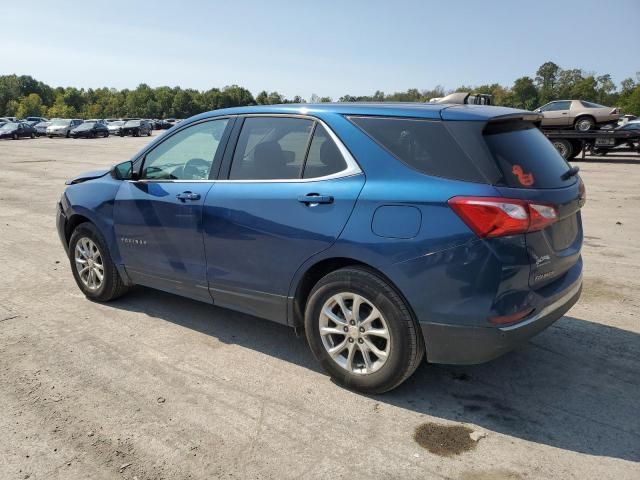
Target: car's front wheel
(361,331)
(93,270)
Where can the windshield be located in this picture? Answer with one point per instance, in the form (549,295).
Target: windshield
(9,126)
(60,122)
(86,126)
(117,123)
(132,123)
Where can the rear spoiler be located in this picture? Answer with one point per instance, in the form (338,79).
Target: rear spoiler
(512,121)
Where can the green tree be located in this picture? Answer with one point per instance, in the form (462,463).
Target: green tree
(546,79)
(30,106)
(60,109)
(525,94)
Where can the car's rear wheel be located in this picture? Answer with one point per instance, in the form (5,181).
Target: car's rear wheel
(15,136)
(33,135)
(564,147)
(68,134)
(361,331)
(584,124)
(93,270)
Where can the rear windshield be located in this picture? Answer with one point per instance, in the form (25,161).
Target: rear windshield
(526,158)
(512,154)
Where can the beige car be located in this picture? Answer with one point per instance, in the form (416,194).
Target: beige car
(578,114)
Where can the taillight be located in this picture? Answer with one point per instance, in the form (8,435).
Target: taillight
(492,217)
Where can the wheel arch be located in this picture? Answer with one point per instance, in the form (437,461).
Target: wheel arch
(307,277)
(585,115)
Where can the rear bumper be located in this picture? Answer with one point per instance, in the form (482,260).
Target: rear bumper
(464,345)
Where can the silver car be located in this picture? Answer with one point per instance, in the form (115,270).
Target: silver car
(578,114)
(61,127)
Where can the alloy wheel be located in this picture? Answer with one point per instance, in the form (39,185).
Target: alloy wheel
(89,264)
(354,333)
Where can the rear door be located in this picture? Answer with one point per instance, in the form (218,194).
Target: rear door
(158,218)
(285,194)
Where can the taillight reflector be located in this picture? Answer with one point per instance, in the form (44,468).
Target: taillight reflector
(491,217)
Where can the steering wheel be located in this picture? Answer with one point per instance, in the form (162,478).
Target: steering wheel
(196,169)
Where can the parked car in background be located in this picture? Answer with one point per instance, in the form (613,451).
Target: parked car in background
(8,119)
(41,128)
(387,232)
(90,129)
(101,121)
(578,114)
(136,128)
(114,126)
(16,130)
(36,120)
(62,127)
(625,136)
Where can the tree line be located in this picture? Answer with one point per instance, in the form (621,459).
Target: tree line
(23,95)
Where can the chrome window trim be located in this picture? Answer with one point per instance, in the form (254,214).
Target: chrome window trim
(352,166)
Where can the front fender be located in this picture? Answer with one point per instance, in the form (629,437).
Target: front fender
(94,200)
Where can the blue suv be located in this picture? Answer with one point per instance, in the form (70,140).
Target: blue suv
(386,231)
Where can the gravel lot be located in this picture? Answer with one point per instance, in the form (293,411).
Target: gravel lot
(154,386)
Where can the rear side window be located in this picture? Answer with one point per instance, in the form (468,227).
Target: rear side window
(591,104)
(425,145)
(526,158)
(323,158)
(271,148)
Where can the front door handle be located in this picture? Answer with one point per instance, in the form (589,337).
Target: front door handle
(315,198)
(188,196)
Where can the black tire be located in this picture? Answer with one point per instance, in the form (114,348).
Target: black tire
(33,135)
(149,133)
(576,148)
(584,124)
(50,136)
(406,343)
(112,285)
(106,134)
(564,147)
(68,134)
(15,136)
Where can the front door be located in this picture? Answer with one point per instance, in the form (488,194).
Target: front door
(158,218)
(557,113)
(289,192)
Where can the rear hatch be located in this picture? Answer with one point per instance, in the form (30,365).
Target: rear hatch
(522,164)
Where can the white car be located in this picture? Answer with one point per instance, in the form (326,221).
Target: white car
(62,127)
(115,127)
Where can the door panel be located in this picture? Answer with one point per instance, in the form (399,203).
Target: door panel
(257,234)
(160,235)
(158,220)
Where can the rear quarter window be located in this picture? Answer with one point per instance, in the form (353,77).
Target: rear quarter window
(424,145)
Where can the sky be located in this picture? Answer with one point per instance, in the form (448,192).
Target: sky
(324,47)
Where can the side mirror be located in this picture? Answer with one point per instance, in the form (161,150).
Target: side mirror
(124,171)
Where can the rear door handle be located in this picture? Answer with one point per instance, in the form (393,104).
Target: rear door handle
(315,198)
(188,196)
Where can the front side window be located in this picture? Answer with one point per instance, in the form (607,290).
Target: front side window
(271,148)
(555,106)
(187,155)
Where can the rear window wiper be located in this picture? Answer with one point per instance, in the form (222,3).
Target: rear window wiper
(572,172)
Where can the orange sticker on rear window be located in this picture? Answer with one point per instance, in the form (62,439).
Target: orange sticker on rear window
(525,179)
